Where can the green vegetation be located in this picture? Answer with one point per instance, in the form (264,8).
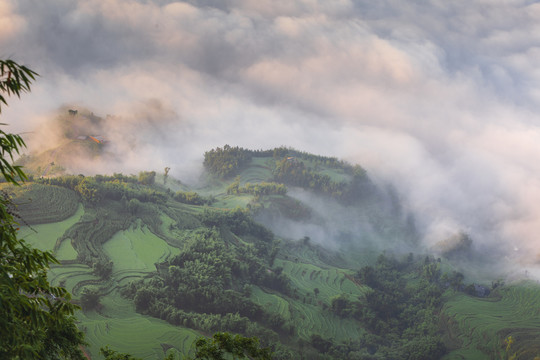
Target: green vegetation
(153,269)
(259,189)
(323,175)
(220,347)
(44,204)
(227,161)
(35,318)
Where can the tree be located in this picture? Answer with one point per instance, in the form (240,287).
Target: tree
(115,355)
(167,169)
(90,299)
(36,319)
(147,177)
(236,345)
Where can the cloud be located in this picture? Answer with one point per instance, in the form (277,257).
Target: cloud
(439,98)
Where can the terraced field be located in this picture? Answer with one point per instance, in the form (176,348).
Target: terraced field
(232,201)
(66,251)
(271,301)
(259,170)
(136,251)
(43,204)
(45,236)
(72,277)
(120,327)
(310,319)
(484,324)
(308,314)
(330,282)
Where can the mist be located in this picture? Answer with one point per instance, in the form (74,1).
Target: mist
(437,98)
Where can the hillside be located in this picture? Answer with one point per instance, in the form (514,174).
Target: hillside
(303,251)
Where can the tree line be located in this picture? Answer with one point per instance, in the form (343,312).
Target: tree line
(259,189)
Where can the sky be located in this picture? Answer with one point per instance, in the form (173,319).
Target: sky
(440,98)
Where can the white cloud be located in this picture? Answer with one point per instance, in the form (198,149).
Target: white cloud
(439,97)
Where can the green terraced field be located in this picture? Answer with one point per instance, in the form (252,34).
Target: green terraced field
(330,282)
(123,329)
(66,251)
(311,319)
(483,324)
(42,204)
(259,170)
(232,201)
(136,250)
(271,301)
(44,236)
(72,275)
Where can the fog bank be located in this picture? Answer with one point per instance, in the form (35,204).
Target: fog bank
(439,98)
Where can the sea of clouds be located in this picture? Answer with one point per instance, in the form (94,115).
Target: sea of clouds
(440,98)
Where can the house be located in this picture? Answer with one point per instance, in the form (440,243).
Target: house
(97,138)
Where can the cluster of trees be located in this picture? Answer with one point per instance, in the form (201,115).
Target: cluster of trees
(290,169)
(95,189)
(263,188)
(227,161)
(147,177)
(239,221)
(331,162)
(192,198)
(296,173)
(202,288)
(401,309)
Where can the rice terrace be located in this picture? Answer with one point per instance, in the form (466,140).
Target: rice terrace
(155,264)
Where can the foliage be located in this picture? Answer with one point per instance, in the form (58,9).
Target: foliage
(262,188)
(293,171)
(94,190)
(227,161)
(238,221)
(90,299)
(115,355)
(191,198)
(221,346)
(196,288)
(147,177)
(237,346)
(103,268)
(35,318)
(398,308)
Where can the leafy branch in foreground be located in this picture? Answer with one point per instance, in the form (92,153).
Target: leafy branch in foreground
(36,319)
(14,80)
